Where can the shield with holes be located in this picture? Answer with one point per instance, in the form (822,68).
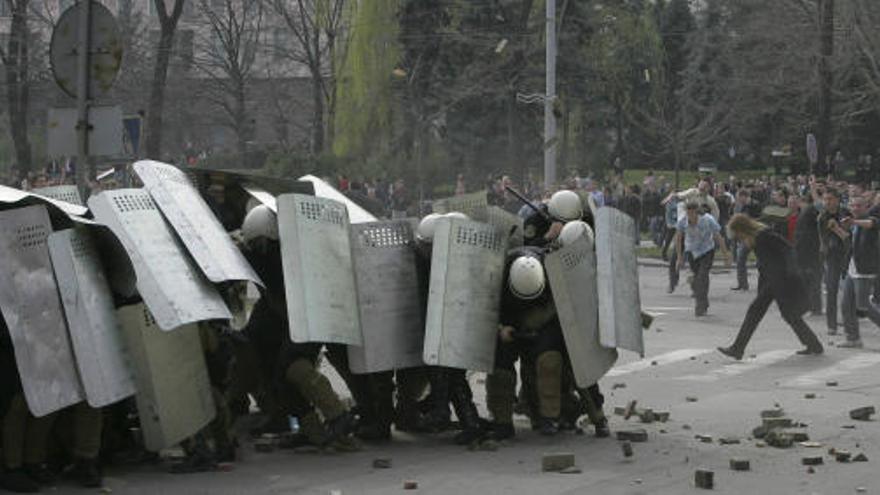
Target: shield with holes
(68,194)
(91,317)
(32,310)
(473,205)
(620,322)
(388,297)
(174,397)
(464,295)
(572,274)
(170,283)
(509,224)
(192,219)
(318,270)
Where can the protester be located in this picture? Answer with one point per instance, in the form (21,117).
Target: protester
(699,236)
(778,280)
(864,266)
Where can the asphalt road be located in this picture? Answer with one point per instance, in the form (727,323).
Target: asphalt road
(704,392)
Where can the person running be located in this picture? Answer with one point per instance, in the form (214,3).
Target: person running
(778,280)
(698,237)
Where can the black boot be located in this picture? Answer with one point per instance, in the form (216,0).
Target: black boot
(602,430)
(16,480)
(40,473)
(342,426)
(87,473)
(437,417)
(468,417)
(548,427)
(501,431)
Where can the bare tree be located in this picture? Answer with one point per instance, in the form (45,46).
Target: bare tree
(168,26)
(316,26)
(227,59)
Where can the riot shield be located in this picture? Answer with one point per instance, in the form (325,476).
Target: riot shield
(620,323)
(572,274)
(464,297)
(32,309)
(68,194)
(388,298)
(174,398)
(11,195)
(356,213)
(318,270)
(91,318)
(510,225)
(168,281)
(264,197)
(473,205)
(204,237)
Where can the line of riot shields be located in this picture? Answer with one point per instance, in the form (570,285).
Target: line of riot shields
(114,299)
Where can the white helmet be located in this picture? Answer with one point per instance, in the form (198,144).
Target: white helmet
(573,231)
(260,222)
(457,214)
(425,231)
(526,279)
(566,206)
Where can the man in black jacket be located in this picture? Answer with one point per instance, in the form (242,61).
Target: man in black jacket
(834,248)
(863,269)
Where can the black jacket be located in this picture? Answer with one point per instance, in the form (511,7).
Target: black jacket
(832,245)
(865,248)
(806,239)
(779,274)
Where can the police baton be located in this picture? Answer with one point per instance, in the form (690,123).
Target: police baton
(545,215)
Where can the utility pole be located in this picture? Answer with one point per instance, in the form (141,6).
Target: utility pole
(82,97)
(550,99)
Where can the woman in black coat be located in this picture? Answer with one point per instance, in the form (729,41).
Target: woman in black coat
(778,280)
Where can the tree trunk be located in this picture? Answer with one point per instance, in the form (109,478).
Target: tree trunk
(153,144)
(330,134)
(824,130)
(242,124)
(619,151)
(318,96)
(17,86)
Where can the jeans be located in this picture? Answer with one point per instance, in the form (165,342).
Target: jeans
(742,270)
(849,307)
(668,236)
(701,267)
(812,276)
(673,270)
(833,271)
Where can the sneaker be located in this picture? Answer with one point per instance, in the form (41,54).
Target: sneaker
(851,344)
(16,480)
(810,352)
(740,287)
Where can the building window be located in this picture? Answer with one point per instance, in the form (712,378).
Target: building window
(184,41)
(5,11)
(280,43)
